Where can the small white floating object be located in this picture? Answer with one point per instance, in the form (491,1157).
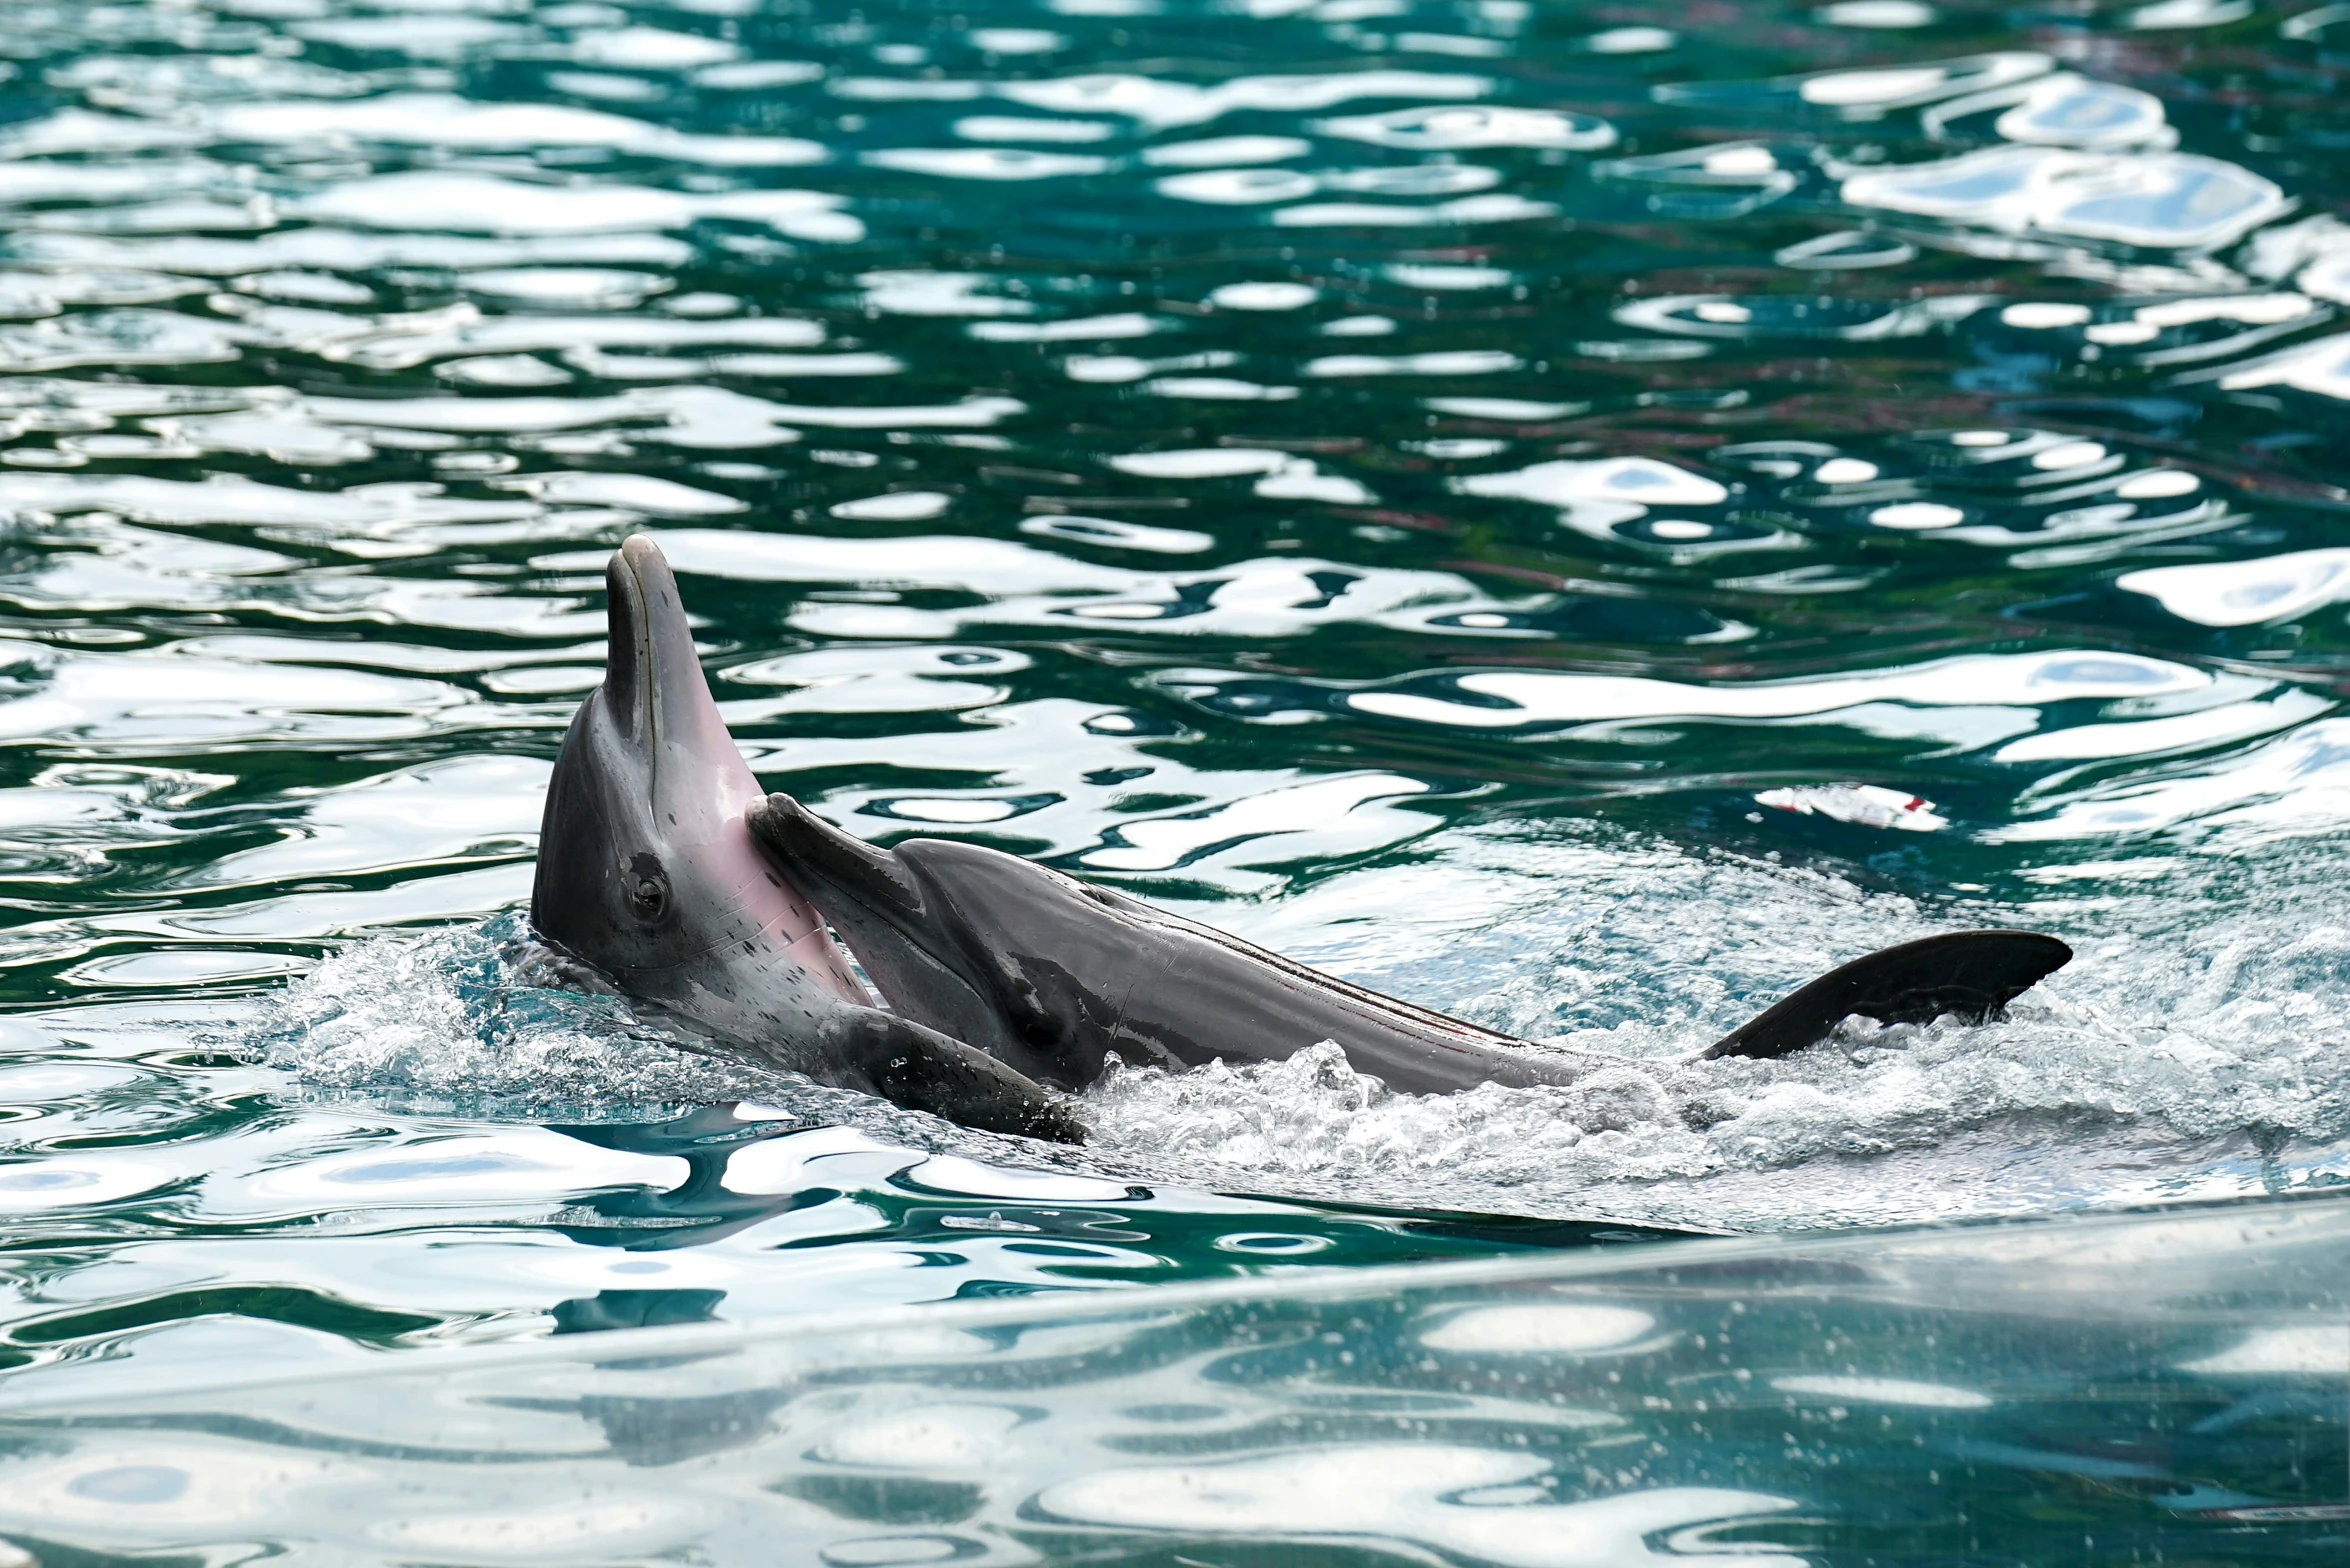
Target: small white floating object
(1868,805)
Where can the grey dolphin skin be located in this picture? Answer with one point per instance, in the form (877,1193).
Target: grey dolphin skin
(648,876)
(1055,976)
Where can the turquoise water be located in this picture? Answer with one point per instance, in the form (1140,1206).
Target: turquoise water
(1580,516)
(2076,1391)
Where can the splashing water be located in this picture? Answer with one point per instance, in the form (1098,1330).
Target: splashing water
(453,1021)
(2194,1054)
(2163,1063)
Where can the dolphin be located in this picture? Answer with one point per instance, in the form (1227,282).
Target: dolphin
(665,876)
(1055,976)
(648,877)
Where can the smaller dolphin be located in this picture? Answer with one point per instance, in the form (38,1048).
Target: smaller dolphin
(648,877)
(1055,976)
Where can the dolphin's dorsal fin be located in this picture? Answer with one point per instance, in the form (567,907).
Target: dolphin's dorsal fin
(1973,974)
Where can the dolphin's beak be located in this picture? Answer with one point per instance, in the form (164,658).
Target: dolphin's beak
(653,682)
(814,851)
(628,654)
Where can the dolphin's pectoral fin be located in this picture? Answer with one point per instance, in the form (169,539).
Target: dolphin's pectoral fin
(1973,974)
(923,1070)
(784,827)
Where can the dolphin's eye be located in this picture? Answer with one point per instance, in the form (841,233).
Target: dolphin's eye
(647,886)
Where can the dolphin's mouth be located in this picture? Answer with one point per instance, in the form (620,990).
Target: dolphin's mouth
(628,650)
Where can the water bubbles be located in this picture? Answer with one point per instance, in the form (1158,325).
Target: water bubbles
(460,1019)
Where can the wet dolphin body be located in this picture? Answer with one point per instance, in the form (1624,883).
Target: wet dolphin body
(1054,976)
(648,876)
(666,876)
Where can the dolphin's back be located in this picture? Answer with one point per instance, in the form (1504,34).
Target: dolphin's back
(1219,996)
(1083,973)
(1054,977)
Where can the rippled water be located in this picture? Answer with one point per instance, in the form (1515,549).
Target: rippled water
(1581,516)
(2165,1389)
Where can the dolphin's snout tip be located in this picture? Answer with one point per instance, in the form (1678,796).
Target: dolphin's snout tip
(783,822)
(653,680)
(807,845)
(641,564)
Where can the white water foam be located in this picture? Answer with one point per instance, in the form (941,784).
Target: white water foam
(450,1021)
(2192,1047)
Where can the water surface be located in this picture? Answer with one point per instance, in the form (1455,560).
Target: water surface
(2140,1389)
(1581,516)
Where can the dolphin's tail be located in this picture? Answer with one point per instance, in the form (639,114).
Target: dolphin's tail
(1973,974)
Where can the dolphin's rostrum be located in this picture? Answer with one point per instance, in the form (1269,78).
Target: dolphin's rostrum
(663,870)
